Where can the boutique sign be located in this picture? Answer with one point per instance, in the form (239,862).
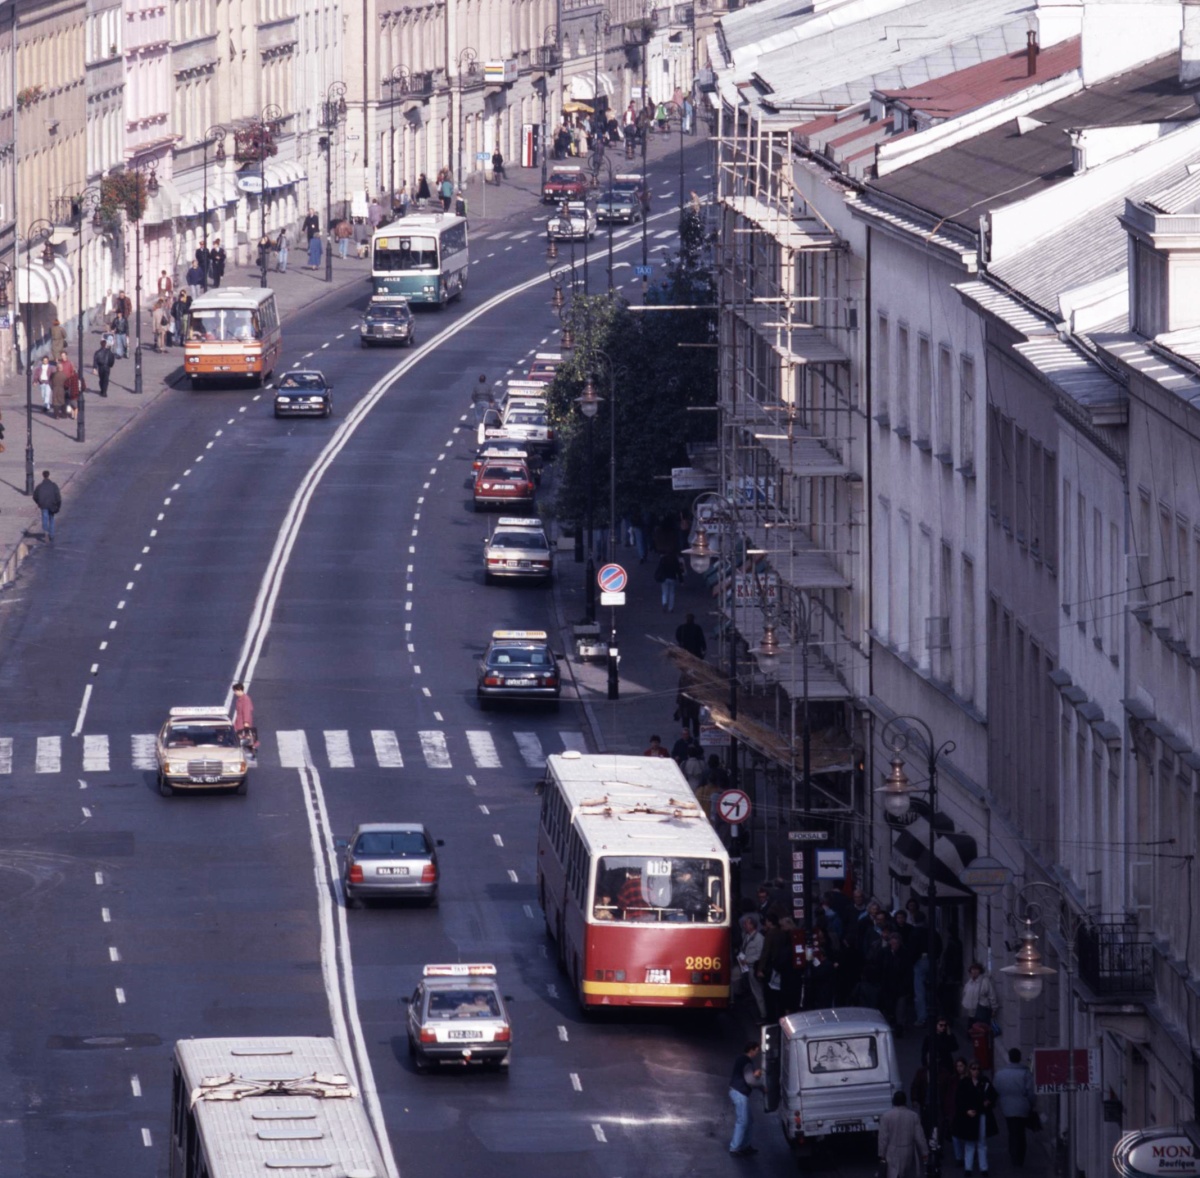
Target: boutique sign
(1157,1153)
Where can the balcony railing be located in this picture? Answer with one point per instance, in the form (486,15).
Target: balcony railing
(1115,958)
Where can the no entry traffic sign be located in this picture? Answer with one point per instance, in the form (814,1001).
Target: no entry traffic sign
(733,806)
(612,578)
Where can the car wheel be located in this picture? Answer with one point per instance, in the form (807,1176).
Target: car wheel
(554,705)
(240,788)
(432,902)
(278,415)
(488,579)
(329,409)
(418,1059)
(484,702)
(165,787)
(412,340)
(351,901)
(362,343)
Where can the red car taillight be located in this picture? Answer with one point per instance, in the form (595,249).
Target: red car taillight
(428,1036)
(356,874)
(504,1035)
(491,681)
(429,874)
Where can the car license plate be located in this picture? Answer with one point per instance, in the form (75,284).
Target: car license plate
(391,871)
(849,1127)
(502,486)
(207,779)
(660,977)
(465,1035)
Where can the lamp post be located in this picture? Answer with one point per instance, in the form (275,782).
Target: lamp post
(38,234)
(589,406)
(85,203)
(332,113)
(469,58)
(898,735)
(601,27)
(647,33)
(549,49)
(599,159)
(398,79)
(1028,975)
(215,134)
(268,124)
(147,187)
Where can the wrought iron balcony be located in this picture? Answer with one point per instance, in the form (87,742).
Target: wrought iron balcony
(1115,958)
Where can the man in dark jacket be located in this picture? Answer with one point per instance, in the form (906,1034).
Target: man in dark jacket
(690,636)
(742,1081)
(102,364)
(974,1118)
(49,498)
(217,262)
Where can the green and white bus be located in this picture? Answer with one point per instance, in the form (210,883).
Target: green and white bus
(422,256)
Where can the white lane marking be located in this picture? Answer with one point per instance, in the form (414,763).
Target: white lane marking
(81,715)
(104,645)
(416,669)
(340,335)
(562,1034)
(147,1140)
(573,741)
(512,876)
(105,915)
(438,717)
(99,879)
(112,625)
(598,1130)
(128,586)
(95,668)
(497,840)
(527,910)
(337,963)
(142,747)
(531,749)
(293,749)
(114,954)
(482,808)
(433,746)
(86,812)
(218,433)
(483,749)
(120,605)
(387,749)
(49,755)
(95,754)
(135,1085)
(576,1082)
(525,234)
(6,750)
(337,749)
(120,993)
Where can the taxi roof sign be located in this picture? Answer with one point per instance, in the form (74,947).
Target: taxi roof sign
(518,521)
(505,635)
(459,971)
(628,176)
(547,355)
(183,713)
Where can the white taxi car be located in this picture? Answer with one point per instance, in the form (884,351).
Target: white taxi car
(574,221)
(517,548)
(197,748)
(457,1015)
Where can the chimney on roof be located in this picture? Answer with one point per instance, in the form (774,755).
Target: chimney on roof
(1189,44)
(1031,52)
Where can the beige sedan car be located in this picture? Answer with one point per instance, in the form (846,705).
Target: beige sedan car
(197,748)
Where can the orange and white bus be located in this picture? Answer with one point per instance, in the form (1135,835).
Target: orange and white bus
(232,334)
(634,883)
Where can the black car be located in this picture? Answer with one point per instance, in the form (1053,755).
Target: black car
(388,320)
(303,393)
(517,665)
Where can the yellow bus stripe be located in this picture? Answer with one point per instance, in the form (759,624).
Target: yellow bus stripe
(654,990)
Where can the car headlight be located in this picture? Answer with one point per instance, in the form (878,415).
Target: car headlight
(176,767)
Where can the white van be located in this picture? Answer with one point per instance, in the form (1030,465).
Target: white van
(831,1073)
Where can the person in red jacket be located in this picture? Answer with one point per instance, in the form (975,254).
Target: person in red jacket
(243,717)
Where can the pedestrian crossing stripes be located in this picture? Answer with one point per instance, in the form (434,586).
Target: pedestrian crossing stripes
(295,748)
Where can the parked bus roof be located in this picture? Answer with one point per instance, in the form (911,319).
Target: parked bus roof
(425,220)
(233,296)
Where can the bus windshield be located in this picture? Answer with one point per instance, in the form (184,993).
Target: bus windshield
(224,323)
(406,253)
(652,888)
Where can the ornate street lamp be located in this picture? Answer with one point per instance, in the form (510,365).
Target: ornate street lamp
(216,135)
(144,187)
(269,121)
(333,112)
(467,60)
(84,206)
(398,82)
(549,50)
(36,237)
(600,159)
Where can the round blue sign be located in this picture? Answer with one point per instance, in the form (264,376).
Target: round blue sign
(612,578)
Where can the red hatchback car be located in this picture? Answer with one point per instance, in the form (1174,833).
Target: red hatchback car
(505,484)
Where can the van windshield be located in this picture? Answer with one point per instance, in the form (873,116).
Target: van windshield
(858,1054)
(649,888)
(406,253)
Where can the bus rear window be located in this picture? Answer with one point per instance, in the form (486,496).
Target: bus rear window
(406,253)
(859,1054)
(651,888)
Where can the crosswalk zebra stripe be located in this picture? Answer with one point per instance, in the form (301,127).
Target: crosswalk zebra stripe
(483,749)
(49,755)
(573,741)
(497,235)
(142,746)
(6,744)
(664,234)
(293,749)
(387,749)
(433,745)
(337,749)
(95,754)
(526,233)
(531,749)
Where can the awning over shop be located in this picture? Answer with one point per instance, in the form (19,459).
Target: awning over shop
(227,193)
(584,90)
(38,283)
(281,174)
(953,851)
(162,206)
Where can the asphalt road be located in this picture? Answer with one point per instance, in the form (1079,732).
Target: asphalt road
(338,564)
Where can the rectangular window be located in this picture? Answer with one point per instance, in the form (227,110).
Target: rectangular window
(1021,493)
(945,401)
(902,556)
(1166,566)
(969,642)
(1114,603)
(901,419)
(883,573)
(1143,541)
(924,391)
(1083,587)
(1050,511)
(883,368)
(993,461)
(944,657)
(1099,604)
(1037,498)
(1004,444)
(1068,539)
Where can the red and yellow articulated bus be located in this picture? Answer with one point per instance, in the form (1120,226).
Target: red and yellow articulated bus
(634,883)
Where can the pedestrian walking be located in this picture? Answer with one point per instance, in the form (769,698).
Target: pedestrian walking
(690,636)
(974,1120)
(667,575)
(102,365)
(655,748)
(749,957)
(374,213)
(166,288)
(980,1002)
(497,167)
(195,279)
(314,251)
(746,1076)
(161,320)
(58,339)
(400,205)
(446,191)
(343,233)
(58,390)
(1018,1102)
(49,498)
(202,260)
(903,1147)
(216,262)
(180,310)
(423,187)
(311,225)
(281,255)
(43,375)
(120,328)
(243,717)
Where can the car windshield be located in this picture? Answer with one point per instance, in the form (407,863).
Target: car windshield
(386,844)
(302,380)
(406,253)
(388,312)
(224,323)
(644,887)
(564,177)
(188,736)
(520,656)
(503,472)
(519,540)
(459,1004)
